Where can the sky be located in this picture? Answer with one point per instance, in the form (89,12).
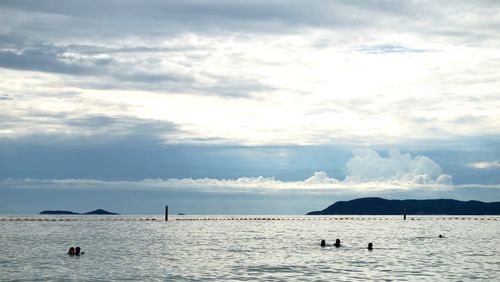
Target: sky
(246,107)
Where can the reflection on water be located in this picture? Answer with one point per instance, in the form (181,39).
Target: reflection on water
(277,249)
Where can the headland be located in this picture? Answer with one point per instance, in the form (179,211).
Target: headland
(380,206)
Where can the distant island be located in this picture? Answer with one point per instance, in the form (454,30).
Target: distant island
(380,206)
(99,212)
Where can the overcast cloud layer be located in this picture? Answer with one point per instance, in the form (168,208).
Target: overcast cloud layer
(267,77)
(269,71)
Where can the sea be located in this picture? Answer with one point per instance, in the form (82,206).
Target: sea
(249,248)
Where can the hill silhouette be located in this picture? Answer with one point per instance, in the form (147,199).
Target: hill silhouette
(380,206)
(58,212)
(98,211)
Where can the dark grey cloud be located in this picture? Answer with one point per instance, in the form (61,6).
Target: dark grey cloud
(89,49)
(470,119)
(49,59)
(111,18)
(122,125)
(6,97)
(104,19)
(225,86)
(91,129)
(39,35)
(64,60)
(104,71)
(388,48)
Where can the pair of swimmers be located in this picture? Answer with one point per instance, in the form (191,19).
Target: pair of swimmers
(337,244)
(75,251)
(370,245)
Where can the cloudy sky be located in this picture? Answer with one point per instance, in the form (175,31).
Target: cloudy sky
(246,106)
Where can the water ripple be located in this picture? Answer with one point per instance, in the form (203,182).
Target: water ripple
(281,249)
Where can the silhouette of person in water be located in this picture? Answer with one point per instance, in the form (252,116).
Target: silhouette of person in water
(370,246)
(337,243)
(71,251)
(441,236)
(323,243)
(77,251)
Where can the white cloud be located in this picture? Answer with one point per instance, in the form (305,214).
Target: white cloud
(367,165)
(257,73)
(485,165)
(367,172)
(320,177)
(444,179)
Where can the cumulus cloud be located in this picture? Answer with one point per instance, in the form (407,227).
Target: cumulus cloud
(320,177)
(485,165)
(367,165)
(367,172)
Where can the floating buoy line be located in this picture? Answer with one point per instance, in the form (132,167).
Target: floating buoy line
(312,218)
(321,218)
(77,219)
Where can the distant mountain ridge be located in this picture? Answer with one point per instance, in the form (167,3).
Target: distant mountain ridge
(98,211)
(380,206)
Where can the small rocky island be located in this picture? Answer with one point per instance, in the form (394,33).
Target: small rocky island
(380,206)
(98,212)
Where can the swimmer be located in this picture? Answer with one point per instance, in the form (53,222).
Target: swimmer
(323,243)
(370,246)
(441,236)
(337,243)
(77,251)
(71,251)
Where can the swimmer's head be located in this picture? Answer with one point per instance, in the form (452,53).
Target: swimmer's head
(370,246)
(323,243)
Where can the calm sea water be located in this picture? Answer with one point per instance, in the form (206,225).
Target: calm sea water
(286,249)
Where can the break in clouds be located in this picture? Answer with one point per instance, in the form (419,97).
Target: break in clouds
(366,170)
